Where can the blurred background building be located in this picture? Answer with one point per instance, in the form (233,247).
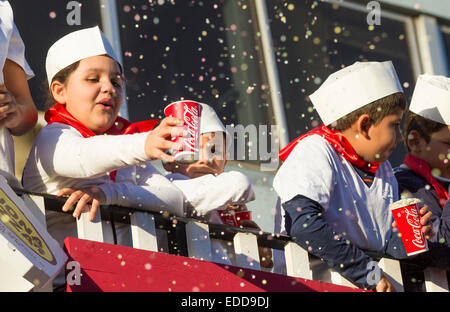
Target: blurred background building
(254,61)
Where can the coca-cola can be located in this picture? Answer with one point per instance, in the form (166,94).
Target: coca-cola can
(234,218)
(407,217)
(190,113)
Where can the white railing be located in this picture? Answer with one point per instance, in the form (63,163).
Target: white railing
(154,232)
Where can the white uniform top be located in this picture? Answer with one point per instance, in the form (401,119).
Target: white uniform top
(11,47)
(61,157)
(360,213)
(208,193)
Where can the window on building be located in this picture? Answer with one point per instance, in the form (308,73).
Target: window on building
(313,39)
(446,37)
(198,50)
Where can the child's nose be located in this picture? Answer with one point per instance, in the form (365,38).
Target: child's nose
(107,86)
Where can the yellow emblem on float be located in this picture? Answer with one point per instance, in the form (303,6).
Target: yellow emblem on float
(14,219)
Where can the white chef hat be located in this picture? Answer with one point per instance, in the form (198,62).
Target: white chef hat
(76,46)
(209,121)
(354,87)
(431,98)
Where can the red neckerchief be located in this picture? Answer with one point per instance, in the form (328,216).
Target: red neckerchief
(59,113)
(339,143)
(421,168)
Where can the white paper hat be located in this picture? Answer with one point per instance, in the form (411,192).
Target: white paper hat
(209,121)
(76,46)
(354,87)
(431,98)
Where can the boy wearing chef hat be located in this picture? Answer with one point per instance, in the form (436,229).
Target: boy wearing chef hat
(425,172)
(336,184)
(18,113)
(208,190)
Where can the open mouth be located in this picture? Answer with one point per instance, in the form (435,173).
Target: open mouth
(106,103)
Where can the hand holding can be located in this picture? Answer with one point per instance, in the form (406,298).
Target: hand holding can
(189,112)
(407,218)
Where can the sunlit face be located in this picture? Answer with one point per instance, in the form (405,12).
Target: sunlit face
(93,92)
(212,158)
(384,136)
(437,152)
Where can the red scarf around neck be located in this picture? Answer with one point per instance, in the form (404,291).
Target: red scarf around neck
(59,113)
(339,143)
(421,168)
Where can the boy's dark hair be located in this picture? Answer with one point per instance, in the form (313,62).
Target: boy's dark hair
(426,127)
(60,76)
(377,110)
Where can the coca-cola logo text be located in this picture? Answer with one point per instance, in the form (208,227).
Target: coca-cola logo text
(413,219)
(192,121)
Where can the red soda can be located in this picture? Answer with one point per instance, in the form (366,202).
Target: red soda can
(407,217)
(190,113)
(234,218)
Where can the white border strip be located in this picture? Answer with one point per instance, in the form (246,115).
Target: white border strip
(431,45)
(272,72)
(110,23)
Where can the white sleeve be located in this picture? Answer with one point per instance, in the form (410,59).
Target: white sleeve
(144,187)
(308,171)
(16,52)
(160,195)
(209,192)
(63,151)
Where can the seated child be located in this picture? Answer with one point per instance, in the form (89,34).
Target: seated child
(85,140)
(336,183)
(207,187)
(425,172)
(18,113)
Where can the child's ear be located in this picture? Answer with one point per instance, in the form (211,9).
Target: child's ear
(415,142)
(363,124)
(58,91)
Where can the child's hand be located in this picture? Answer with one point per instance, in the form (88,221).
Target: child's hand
(158,140)
(384,285)
(91,195)
(8,108)
(425,220)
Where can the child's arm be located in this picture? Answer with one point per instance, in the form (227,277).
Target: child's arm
(209,192)
(411,186)
(158,196)
(304,222)
(144,187)
(444,229)
(17,110)
(62,150)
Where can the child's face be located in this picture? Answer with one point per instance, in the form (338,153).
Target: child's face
(384,136)
(93,92)
(436,152)
(212,158)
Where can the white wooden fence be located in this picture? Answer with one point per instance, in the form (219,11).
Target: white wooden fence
(150,232)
